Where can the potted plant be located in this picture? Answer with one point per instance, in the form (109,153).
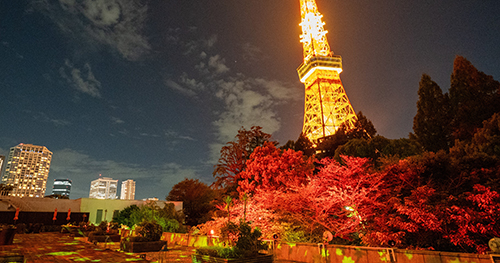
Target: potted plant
(105,232)
(246,247)
(147,239)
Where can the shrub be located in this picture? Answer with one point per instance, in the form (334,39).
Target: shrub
(220,252)
(248,242)
(150,230)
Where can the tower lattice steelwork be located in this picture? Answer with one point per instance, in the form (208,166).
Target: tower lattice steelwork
(326,104)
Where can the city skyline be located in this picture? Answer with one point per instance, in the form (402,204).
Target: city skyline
(150,91)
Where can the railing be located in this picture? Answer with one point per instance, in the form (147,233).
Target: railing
(329,253)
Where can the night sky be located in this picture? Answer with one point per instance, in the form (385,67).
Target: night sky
(151,90)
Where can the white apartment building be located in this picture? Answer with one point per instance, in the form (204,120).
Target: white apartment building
(103,188)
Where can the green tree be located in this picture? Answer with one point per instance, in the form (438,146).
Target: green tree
(196,197)
(474,97)
(56,196)
(363,128)
(487,139)
(431,122)
(125,217)
(402,148)
(378,147)
(328,145)
(304,145)
(167,217)
(234,156)
(290,144)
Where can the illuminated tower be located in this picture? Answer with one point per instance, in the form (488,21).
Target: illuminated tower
(326,104)
(27,170)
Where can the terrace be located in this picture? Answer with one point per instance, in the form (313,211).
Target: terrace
(61,247)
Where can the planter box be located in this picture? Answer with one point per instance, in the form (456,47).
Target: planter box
(138,246)
(262,258)
(7,236)
(74,231)
(12,259)
(104,238)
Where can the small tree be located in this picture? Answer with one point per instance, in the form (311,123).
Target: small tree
(339,198)
(271,169)
(234,156)
(431,122)
(197,198)
(475,220)
(126,216)
(473,98)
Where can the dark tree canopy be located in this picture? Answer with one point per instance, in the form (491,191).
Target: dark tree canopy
(363,129)
(474,97)
(304,145)
(328,145)
(487,139)
(57,196)
(431,122)
(197,200)
(377,147)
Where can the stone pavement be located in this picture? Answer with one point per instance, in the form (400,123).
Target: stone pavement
(61,247)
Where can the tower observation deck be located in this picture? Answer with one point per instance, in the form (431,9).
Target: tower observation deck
(326,104)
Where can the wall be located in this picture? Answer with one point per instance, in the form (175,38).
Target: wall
(103,209)
(44,218)
(318,253)
(32,204)
(87,206)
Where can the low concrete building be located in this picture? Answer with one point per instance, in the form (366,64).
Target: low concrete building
(98,209)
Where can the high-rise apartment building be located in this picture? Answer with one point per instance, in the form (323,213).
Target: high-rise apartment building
(27,170)
(61,187)
(128,190)
(103,188)
(2,160)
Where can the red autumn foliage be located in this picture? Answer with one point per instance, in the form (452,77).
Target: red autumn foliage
(425,202)
(234,156)
(271,169)
(340,198)
(477,220)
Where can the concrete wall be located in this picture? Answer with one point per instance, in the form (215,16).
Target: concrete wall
(319,253)
(32,204)
(106,207)
(98,209)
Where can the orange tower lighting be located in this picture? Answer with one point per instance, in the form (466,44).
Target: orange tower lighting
(326,104)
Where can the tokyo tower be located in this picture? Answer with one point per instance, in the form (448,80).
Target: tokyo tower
(326,104)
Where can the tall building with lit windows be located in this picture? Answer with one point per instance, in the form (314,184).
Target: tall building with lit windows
(27,169)
(2,160)
(103,188)
(128,190)
(61,187)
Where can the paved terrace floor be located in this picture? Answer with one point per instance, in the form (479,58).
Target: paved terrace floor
(61,247)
